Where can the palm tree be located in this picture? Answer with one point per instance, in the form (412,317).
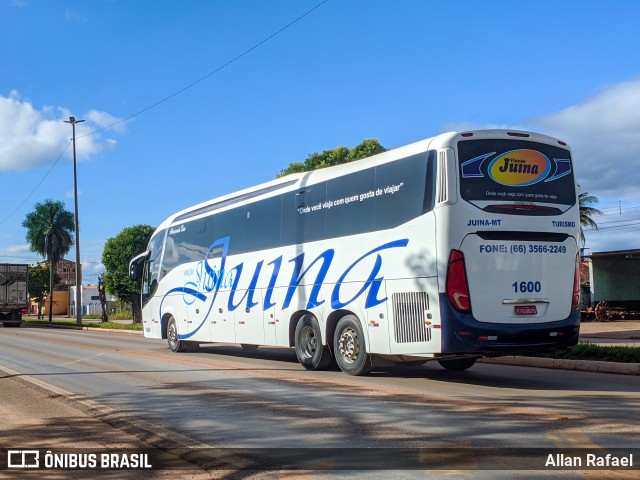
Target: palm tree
(587,211)
(50,233)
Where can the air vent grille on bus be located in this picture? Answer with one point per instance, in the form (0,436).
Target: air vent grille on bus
(409,317)
(443,191)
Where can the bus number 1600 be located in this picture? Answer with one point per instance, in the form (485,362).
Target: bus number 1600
(527,287)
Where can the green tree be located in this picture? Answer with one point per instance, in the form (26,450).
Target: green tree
(587,212)
(39,285)
(117,253)
(336,156)
(50,233)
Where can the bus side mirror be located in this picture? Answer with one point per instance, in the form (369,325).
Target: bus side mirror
(133,271)
(135,263)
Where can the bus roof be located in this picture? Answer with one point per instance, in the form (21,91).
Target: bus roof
(296,181)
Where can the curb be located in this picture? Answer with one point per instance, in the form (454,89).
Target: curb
(89,329)
(563,364)
(113,330)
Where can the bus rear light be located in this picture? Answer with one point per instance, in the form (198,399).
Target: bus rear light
(519,206)
(575,303)
(23,310)
(517,134)
(457,285)
(466,134)
(562,143)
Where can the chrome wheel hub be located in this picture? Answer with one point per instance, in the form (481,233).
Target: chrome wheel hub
(348,345)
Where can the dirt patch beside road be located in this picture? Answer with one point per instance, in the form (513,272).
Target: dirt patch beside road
(34,417)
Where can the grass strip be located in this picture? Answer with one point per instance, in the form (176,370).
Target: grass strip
(600,353)
(105,325)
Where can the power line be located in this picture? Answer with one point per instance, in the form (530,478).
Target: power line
(220,68)
(169,97)
(629,226)
(38,185)
(615,203)
(616,221)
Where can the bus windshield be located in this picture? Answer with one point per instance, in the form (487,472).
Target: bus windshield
(516,176)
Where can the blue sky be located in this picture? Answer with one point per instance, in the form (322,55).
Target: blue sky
(398,71)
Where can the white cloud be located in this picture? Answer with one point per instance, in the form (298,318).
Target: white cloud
(91,270)
(604,133)
(31,138)
(71,16)
(104,120)
(17,249)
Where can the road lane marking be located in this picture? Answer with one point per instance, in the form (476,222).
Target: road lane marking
(79,360)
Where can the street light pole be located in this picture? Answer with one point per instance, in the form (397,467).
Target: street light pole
(73,121)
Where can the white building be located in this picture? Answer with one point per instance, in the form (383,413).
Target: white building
(90,299)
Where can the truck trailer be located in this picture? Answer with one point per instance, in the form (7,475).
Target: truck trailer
(14,293)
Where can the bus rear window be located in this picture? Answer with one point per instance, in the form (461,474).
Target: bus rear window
(496,173)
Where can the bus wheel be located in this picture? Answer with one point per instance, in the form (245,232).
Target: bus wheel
(311,354)
(350,347)
(175,344)
(248,346)
(458,364)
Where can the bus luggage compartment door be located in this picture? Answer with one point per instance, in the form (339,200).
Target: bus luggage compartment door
(520,277)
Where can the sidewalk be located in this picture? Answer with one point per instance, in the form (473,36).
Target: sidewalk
(618,333)
(620,329)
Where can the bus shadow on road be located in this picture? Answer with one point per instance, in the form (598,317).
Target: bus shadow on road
(521,378)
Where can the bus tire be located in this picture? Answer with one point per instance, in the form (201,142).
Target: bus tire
(175,344)
(249,346)
(350,347)
(311,354)
(458,365)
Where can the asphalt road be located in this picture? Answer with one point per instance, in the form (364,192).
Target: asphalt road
(222,396)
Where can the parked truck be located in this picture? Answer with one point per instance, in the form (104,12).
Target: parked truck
(14,293)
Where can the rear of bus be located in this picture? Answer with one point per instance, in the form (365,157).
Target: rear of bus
(508,244)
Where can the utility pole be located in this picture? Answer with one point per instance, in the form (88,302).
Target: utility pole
(47,240)
(73,121)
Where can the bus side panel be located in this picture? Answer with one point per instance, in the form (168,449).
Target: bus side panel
(150,321)
(249,321)
(221,320)
(414,322)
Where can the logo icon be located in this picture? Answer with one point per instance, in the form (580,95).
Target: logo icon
(519,168)
(23,459)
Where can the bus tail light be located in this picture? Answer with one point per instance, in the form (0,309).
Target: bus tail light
(457,285)
(575,304)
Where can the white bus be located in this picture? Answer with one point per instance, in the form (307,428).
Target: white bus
(456,247)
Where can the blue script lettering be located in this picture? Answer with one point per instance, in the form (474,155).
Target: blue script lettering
(213,278)
(296,277)
(372,282)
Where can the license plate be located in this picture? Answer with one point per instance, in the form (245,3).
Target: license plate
(526,310)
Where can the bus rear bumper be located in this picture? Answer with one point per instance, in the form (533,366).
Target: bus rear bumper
(462,333)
